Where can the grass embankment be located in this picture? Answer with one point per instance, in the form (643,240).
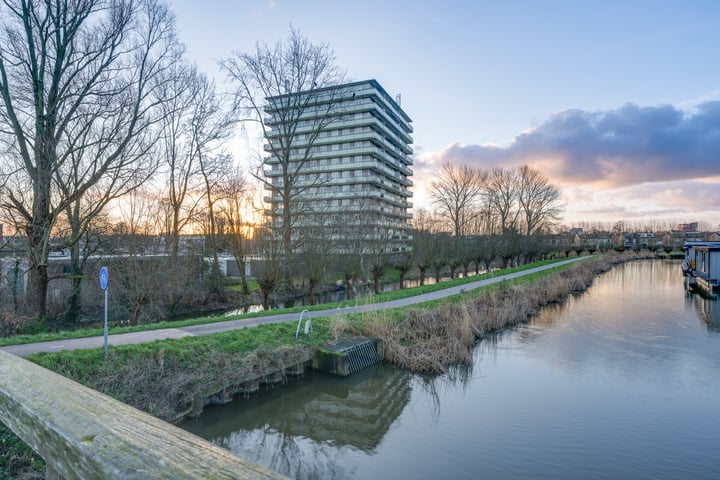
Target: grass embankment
(165,377)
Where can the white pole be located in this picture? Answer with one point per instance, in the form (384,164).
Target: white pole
(106,322)
(104,280)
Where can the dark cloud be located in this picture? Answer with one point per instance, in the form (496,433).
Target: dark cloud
(627,146)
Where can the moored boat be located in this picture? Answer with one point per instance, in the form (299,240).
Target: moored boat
(701,266)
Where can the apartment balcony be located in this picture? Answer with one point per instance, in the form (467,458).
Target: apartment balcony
(366,114)
(381,102)
(379,128)
(393,160)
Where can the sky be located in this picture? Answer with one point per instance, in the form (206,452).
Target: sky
(616,102)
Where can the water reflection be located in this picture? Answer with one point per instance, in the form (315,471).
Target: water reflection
(435,387)
(707,308)
(622,381)
(635,321)
(302,428)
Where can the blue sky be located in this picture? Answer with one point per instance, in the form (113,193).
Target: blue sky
(612,100)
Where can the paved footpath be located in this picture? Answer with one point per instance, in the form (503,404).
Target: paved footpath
(210,328)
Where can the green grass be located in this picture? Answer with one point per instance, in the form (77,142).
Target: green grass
(411,292)
(380,298)
(253,286)
(17,460)
(189,351)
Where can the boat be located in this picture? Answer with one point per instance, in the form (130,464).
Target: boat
(701,267)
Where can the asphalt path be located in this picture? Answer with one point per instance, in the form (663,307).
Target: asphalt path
(210,328)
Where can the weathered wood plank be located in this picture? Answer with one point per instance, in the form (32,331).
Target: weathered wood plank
(84,434)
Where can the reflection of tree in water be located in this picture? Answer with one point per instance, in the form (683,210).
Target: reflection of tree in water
(296,457)
(434,385)
(304,430)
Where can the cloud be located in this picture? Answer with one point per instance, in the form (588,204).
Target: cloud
(631,145)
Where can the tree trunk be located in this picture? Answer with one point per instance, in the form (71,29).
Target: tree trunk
(243,279)
(348,286)
(377,271)
(311,290)
(38,232)
(287,237)
(37,289)
(74,303)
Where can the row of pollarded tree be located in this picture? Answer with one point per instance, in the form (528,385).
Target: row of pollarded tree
(433,252)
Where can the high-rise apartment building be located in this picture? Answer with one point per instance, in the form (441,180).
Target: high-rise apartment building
(343,153)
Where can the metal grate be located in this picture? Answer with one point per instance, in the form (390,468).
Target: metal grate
(361,355)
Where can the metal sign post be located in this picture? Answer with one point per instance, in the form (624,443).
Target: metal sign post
(104,278)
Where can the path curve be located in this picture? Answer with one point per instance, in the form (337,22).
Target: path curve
(210,328)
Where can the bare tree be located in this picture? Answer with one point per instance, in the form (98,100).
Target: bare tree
(83,211)
(214,171)
(501,189)
(422,233)
(456,192)
(282,86)
(269,267)
(234,212)
(211,128)
(179,151)
(77,80)
(317,244)
(539,200)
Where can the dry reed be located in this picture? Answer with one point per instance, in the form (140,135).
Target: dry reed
(433,340)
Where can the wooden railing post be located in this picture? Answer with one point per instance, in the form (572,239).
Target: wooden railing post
(84,434)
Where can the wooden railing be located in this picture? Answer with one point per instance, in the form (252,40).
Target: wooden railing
(84,434)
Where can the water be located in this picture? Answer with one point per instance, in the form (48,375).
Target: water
(620,382)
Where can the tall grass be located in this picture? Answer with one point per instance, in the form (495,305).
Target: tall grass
(432,340)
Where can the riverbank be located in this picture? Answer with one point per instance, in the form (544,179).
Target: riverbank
(433,340)
(173,378)
(627,369)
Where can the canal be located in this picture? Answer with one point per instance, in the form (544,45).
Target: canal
(622,381)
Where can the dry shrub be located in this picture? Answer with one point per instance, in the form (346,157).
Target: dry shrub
(427,340)
(433,340)
(340,328)
(13,324)
(166,387)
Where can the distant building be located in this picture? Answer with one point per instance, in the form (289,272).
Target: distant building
(356,166)
(687,227)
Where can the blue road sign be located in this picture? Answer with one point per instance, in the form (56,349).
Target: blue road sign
(104,278)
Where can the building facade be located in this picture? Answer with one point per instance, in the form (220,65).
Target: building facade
(339,158)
